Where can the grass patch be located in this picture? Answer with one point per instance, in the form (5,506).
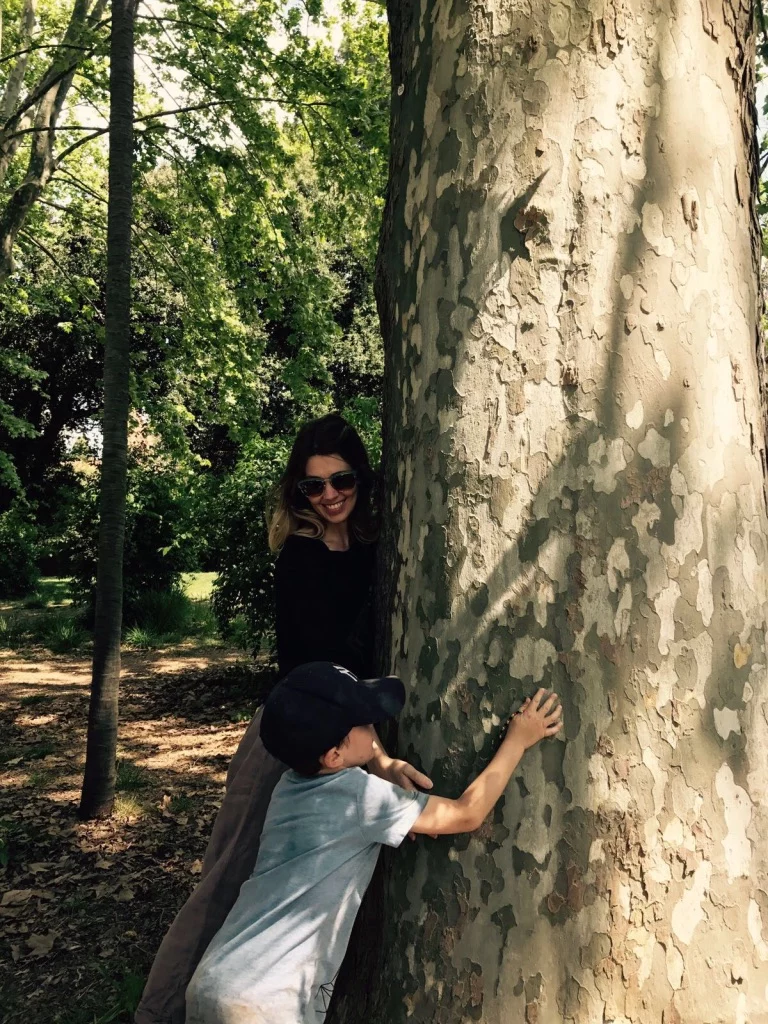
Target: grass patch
(41,778)
(128,808)
(35,699)
(54,590)
(13,631)
(198,586)
(143,639)
(181,804)
(39,751)
(163,612)
(238,633)
(130,777)
(63,633)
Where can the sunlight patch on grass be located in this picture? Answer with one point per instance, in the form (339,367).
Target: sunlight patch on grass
(198,585)
(128,808)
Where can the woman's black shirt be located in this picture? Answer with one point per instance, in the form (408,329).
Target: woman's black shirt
(325,605)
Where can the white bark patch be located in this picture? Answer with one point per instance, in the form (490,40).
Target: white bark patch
(663,681)
(665,609)
(554,556)
(606,462)
(635,416)
(596,851)
(688,912)
(651,762)
(673,833)
(675,967)
(530,658)
(703,649)
(689,530)
(655,448)
(617,563)
(623,619)
(755,927)
(653,229)
(738,813)
(627,285)
(726,722)
(643,944)
(664,365)
(704,601)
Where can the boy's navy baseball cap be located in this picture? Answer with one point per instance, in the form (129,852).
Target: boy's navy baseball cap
(314,707)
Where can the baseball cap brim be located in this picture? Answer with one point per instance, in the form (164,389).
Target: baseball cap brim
(375,700)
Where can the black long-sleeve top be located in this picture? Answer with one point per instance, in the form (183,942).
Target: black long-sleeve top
(325,605)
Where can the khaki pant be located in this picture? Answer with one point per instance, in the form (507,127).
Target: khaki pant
(229,860)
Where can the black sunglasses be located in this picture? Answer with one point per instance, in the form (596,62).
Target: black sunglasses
(313,486)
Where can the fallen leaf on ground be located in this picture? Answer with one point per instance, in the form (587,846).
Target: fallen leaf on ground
(195,867)
(41,945)
(14,897)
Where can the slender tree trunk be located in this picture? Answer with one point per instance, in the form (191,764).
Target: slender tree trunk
(575,456)
(99,783)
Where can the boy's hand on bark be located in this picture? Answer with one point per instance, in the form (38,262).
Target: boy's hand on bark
(538,717)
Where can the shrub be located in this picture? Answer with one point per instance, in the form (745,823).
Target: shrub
(19,551)
(169,611)
(245,584)
(143,639)
(63,633)
(12,631)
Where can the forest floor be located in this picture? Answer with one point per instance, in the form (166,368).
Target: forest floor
(84,905)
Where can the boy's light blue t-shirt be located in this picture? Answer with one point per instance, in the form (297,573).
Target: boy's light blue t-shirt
(275,958)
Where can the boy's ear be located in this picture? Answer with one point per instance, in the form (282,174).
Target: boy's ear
(332,758)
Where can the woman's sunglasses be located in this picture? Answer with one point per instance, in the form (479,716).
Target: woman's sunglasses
(313,486)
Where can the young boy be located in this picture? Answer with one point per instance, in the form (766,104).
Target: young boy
(275,959)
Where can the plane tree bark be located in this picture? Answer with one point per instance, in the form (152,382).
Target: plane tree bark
(575,456)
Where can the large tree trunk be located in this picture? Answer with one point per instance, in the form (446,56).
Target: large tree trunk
(575,454)
(99,782)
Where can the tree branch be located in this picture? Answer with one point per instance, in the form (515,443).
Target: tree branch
(44,249)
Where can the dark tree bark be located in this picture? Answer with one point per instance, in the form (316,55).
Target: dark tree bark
(574,453)
(99,782)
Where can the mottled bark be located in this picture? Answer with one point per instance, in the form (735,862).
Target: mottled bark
(99,782)
(575,490)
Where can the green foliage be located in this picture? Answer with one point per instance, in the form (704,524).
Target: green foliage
(130,777)
(13,631)
(19,550)
(167,611)
(245,585)
(159,541)
(143,639)
(63,633)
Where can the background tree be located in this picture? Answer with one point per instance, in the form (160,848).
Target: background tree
(98,792)
(574,435)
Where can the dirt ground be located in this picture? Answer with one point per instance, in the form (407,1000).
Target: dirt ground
(83,906)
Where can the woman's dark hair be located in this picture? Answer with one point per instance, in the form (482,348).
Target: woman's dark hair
(293,513)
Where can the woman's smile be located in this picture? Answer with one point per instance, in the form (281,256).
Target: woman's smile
(334,507)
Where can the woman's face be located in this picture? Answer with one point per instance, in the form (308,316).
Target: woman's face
(334,506)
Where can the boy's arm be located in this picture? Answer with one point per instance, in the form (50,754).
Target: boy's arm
(532,723)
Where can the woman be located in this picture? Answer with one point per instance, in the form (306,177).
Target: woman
(324,526)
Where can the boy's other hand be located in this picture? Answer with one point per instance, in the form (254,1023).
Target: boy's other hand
(406,776)
(539,716)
